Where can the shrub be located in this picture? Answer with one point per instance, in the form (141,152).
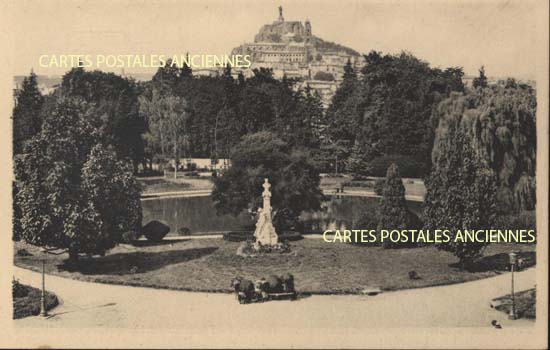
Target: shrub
(18,290)
(392,212)
(184,231)
(408,166)
(249,248)
(191,166)
(526,303)
(29,303)
(23,252)
(155,231)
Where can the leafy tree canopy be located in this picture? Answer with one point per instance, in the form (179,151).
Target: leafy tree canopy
(500,122)
(26,115)
(387,110)
(291,172)
(460,193)
(71,191)
(113,104)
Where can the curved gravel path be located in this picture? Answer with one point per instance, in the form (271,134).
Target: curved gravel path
(85,304)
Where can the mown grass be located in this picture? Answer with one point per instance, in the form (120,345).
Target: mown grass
(318,267)
(160,185)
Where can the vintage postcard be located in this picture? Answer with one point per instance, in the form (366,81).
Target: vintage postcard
(274,174)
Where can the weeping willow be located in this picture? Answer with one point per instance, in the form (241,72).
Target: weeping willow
(501,123)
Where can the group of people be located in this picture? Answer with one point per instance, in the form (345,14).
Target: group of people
(263,289)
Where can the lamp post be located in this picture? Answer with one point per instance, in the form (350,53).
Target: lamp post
(43,311)
(513,260)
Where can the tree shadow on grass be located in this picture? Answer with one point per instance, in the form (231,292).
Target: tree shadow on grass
(499,262)
(135,262)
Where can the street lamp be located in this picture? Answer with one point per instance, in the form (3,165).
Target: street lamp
(513,260)
(43,311)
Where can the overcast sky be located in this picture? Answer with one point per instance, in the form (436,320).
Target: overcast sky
(502,35)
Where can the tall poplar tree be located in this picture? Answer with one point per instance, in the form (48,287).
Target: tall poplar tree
(167,118)
(26,113)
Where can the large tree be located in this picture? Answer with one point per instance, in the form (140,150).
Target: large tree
(460,194)
(167,117)
(500,122)
(221,110)
(26,113)
(310,122)
(71,191)
(341,115)
(291,172)
(387,110)
(113,109)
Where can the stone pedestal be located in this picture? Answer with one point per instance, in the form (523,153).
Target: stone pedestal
(265,231)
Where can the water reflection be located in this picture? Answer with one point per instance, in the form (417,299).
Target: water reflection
(199,215)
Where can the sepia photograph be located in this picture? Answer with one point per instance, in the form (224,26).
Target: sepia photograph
(274,174)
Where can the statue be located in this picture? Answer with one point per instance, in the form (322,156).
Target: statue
(265,231)
(281,19)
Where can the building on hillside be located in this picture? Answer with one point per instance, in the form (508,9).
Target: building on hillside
(290,49)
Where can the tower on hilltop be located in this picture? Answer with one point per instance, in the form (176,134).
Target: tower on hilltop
(281,18)
(308,32)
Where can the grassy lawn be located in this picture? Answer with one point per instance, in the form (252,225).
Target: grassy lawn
(332,182)
(413,187)
(26,301)
(318,267)
(526,303)
(169,184)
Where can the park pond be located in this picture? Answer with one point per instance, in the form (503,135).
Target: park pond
(198,214)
